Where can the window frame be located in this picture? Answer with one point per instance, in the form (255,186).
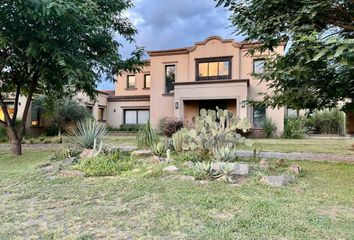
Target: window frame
(253,118)
(137,115)
(131,88)
(145,75)
(173,89)
(211,60)
(254,65)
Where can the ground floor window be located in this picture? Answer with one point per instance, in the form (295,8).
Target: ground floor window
(136,116)
(101,113)
(259,116)
(10,110)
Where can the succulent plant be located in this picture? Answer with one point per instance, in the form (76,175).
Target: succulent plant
(224,153)
(177,141)
(159,149)
(204,168)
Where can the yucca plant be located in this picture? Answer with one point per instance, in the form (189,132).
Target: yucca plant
(147,136)
(224,153)
(86,133)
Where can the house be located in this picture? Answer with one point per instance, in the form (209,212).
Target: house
(179,82)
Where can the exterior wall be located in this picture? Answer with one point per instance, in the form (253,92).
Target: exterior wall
(122,89)
(101,102)
(116,111)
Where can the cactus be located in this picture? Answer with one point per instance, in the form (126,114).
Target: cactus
(177,141)
(214,129)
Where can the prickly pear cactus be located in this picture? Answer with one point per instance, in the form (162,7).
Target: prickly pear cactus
(214,129)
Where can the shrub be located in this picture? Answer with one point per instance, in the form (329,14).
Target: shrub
(168,126)
(294,128)
(327,122)
(130,127)
(269,127)
(147,136)
(86,132)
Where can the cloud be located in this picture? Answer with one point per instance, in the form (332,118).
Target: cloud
(164,24)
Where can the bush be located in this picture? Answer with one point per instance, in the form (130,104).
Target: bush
(294,128)
(105,165)
(84,133)
(327,122)
(269,127)
(51,131)
(147,137)
(130,127)
(168,126)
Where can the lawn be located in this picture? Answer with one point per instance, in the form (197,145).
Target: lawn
(337,146)
(319,205)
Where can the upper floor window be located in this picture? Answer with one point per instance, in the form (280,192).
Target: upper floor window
(170,75)
(213,68)
(258,66)
(131,82)
(147,81)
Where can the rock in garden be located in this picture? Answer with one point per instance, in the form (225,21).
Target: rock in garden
(189,164)
(69,161)
(71,174)
(242,169)
(277,181)
(170,169)
(264,164)
(141,153)
(187,178)
(86,153)
(281,163)
(296,169)
(52,168)
(203,182)
(154,159)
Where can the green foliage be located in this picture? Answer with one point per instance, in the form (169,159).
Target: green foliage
(214,129)
(147,136)
(224,153)
(317,69)
(130,127)
(59,155)
(159,149)
(168,126)
(105,165)
(203,169)
(327,122)
(269,127)
(294,128)
(189,156)
(86,133)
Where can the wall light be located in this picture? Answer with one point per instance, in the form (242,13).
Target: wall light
(176,105)
(243,103)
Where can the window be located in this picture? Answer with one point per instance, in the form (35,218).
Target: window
(259,115)
(291,112)
(170,73)
(10,110)
(101,114)
(131,83)
(258,66)
(89,109)
(136,116)
(213,68)
(147,80)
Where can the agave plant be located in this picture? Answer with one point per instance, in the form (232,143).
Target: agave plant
(159,149)
(224,153)
(85,134)
(204,168)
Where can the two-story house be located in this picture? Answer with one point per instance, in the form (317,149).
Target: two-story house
(180,82)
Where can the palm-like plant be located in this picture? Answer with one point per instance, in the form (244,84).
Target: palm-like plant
(87,132)
(147,137)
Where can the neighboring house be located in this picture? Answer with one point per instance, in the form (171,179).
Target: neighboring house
(180,82)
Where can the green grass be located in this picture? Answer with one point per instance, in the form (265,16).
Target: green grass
(148,205)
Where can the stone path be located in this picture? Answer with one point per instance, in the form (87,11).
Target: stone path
(270,155)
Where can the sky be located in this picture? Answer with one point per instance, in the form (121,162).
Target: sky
(165,24)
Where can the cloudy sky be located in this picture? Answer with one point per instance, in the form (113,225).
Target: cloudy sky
(164,24)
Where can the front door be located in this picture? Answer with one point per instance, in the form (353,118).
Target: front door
(212,104)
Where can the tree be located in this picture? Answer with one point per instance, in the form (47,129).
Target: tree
(57,47)
(317,70)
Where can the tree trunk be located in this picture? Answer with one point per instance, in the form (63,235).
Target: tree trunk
(16,147)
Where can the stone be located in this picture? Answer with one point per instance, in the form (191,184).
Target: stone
(154,159)
(203,182)
(71,174)
(189,164)
(264,164)
(141,153)
(69,161)
(281,162)
(187,178)
(52,168)
(86,153)
(170,169)
(277,181)
(296,169)
(242,169)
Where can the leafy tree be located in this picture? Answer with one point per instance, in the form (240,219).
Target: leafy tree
(317,70)
(57,47)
